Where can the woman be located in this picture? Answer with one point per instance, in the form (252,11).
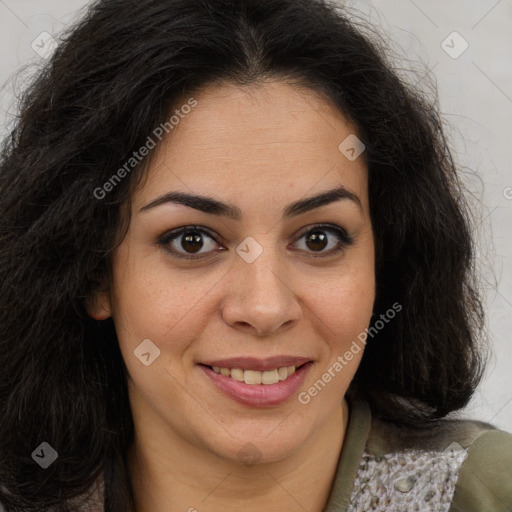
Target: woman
(236,270)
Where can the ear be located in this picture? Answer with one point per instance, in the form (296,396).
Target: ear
(98,305)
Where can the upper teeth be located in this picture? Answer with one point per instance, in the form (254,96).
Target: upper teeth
(256,377)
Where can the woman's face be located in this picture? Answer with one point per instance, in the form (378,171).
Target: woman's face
(248,288)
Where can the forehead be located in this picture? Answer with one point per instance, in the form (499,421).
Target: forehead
(241,141)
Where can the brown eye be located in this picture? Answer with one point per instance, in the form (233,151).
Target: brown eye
(317,239)
(188,241)
(192,242)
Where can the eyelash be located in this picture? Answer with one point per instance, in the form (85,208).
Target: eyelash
(163,241)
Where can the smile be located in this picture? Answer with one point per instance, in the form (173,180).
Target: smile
(256,388)
(254,377)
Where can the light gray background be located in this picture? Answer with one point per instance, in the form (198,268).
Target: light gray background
(475,97)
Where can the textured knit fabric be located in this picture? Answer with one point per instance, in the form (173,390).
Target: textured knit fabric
(412,480)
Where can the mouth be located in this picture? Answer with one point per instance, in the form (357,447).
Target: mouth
(258,388)
(255,377)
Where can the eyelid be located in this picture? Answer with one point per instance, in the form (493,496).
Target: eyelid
(321,225)
(174,233)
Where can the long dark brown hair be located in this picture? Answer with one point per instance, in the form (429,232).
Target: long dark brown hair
(113,79)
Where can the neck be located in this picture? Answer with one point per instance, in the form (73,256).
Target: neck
(191,480)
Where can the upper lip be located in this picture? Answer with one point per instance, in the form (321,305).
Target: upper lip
(253,363)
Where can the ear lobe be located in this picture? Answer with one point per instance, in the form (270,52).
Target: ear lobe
(98,305)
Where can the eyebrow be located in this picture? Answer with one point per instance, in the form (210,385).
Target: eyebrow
(215,207)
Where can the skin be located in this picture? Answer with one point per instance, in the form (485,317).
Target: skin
(260,147)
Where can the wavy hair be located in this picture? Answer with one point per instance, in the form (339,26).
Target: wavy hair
(115,76)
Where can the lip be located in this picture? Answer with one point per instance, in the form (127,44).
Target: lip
(258,395)
(261,365)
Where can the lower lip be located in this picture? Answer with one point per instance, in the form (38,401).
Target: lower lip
(259,395)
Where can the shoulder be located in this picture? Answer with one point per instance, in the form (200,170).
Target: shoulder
(453,466)
(485,479)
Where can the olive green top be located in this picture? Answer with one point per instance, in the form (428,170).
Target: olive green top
(457,466)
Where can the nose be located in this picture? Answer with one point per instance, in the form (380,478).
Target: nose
(260,299)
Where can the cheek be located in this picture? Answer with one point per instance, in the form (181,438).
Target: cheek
(344,298)
(169,308)
(341,315)
(343,310)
